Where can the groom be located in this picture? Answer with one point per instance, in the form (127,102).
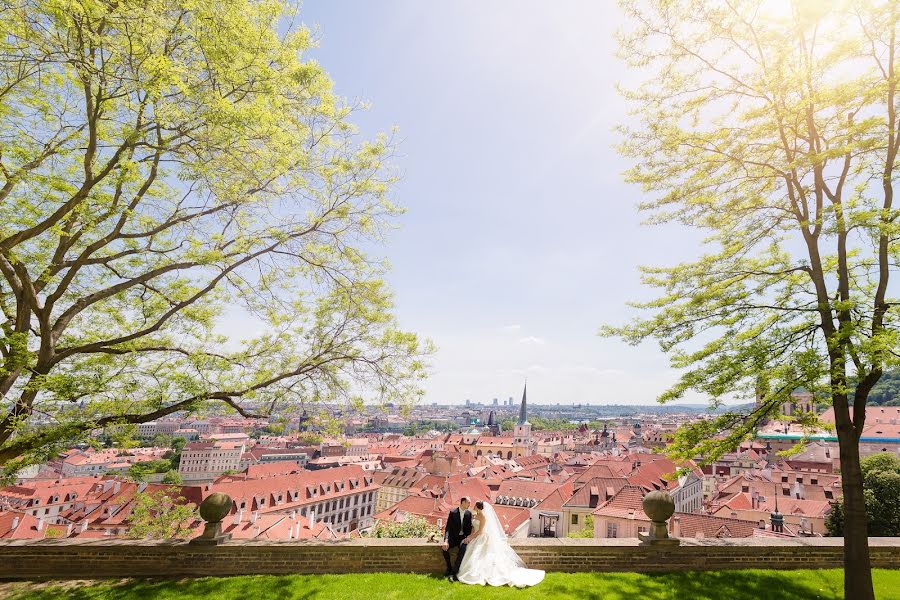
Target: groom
(459,526)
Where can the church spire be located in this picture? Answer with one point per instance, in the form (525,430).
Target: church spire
(523,409)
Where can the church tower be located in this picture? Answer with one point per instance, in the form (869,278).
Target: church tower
(522,431)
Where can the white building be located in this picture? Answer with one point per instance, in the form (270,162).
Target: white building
(688,495)
(207,460)
(147,430)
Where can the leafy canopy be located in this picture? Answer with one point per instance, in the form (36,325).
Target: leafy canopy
(165,165)
(775,134)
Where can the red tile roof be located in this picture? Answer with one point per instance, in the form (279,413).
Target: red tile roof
(694,525)
(26,526)
(627,503)
(596,491)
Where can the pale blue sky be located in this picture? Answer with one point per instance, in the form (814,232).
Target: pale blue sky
(520,238)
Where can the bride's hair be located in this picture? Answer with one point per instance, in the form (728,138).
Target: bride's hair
(479,505)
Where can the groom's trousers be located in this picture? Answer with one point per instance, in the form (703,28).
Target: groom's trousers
(460,552)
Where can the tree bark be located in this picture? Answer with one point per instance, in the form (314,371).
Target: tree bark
(857,566)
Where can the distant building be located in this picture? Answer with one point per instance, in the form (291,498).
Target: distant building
(493,425)
(395,485)
(343,498)
(147,430)
(207,460)
(522,430)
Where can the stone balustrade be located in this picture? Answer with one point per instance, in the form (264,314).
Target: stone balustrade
(73,558)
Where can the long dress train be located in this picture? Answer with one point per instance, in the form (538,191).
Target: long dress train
(490,560)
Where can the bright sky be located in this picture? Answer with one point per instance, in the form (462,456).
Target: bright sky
(520,238)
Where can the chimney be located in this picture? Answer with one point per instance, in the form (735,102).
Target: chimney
(82,527)
(117,486)
(40,523)
(69,529)
(754,498)
(15,522)
(239,516)
(253,516)
(312,519)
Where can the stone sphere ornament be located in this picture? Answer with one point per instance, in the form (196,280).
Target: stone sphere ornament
(215,507)
(659,506)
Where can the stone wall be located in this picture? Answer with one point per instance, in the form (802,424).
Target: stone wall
(71,558)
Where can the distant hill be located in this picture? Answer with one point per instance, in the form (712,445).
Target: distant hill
(587,411)
(886,392)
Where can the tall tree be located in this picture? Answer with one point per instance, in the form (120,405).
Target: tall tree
(773,127)
(165,164)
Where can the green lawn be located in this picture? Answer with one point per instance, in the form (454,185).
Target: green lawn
(715,585)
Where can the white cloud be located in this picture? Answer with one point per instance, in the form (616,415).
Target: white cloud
(511,328)
(531,339)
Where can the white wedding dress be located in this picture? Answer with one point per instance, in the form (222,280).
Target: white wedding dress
(489,560)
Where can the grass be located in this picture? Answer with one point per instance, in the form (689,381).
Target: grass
(708,585)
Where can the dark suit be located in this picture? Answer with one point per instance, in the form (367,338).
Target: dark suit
(455,531)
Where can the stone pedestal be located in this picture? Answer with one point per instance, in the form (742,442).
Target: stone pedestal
(646,540)
(213,509)
(659,506)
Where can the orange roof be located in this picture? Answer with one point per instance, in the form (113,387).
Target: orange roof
(430,509)
(559,496)
(627,503)
(694,525)
(526,489)
(596,491)
(25,526)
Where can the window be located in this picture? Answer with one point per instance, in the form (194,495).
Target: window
(611,530)
(574,519)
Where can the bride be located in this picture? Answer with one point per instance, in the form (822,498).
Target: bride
(489,558)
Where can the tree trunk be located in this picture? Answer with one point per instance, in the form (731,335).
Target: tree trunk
(857,567)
